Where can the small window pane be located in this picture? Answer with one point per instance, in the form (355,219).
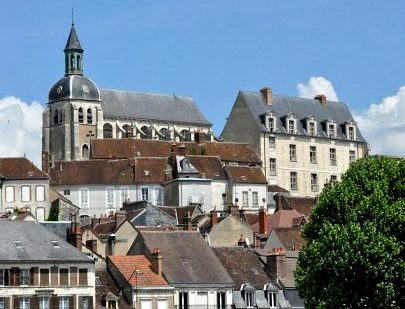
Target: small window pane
(25,193)
(9,194)
(40,193)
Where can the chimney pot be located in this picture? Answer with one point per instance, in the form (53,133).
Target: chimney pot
(267,94)
(156,260)
(321,98)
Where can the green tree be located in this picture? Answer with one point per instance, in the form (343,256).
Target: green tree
(354,257)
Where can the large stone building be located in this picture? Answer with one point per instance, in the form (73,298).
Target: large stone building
(303,143)
(78,111)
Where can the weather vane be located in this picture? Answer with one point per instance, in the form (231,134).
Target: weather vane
(73,22)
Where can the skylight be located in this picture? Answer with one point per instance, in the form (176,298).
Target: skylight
(18,243)
(55,243)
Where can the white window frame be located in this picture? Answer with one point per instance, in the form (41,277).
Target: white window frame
(291,125)
(311,127)
(40,196)
(24,193)
(145,193)
(245,198)
(2,305)
(332,156)
(272,141)
(109,198)
(293,152)
(43,302)
(124,194)
(312,155)
(24,277)
(36,213)
(352,156)
(255,199)
(2,271)
(272,298)
(271,124)
(294,181)
(84,198)
(331,129)
(273,166)
(161,300)
(24,303)
(314,182)
(63,302)
(158,193)
(9,194)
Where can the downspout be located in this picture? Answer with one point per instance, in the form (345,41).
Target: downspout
(265,159)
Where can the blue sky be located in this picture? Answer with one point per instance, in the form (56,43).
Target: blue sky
(211,50)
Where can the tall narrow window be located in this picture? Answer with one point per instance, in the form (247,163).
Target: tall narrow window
(25,194)
(63,276)
(2,303)
(245,198)
(44,277)
(272,142)
(183,300)
(221,300)
(2,277)
(314,182)
(83,276)
(84,198)
(272,127)
(9,193)
(255,199)
(272,299)
(291,126)
(110,201)
(40,193)
(43,302)
(79,64)
(352,156)
(80,112)
(24,303)
(312,154)
(293,153)
(293,181)
(311,129)
(272,165)
(351,135)
(124,194)
(89,116)
(107,130)
(331,130)
(145,194)
(56,116)
(85,152)
(333,179)
(332,156)
(64,302)
(158,196)
(72,62)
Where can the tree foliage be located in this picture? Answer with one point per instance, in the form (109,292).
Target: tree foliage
(354,257)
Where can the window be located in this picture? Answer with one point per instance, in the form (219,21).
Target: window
(333,179)
(245,198)
(111,304)
(107,130)
(24,277)
(124,194)
(40,213)
(9,194)
(63,276)
(89,116)
(293,153)
(3,277)
(272,142)
(250,298)
(255,199)
(314,182)
(43,302)
(272,299)
(351,135)
(272,127)
(145,194)
(80,115)
(85,152)
(25,194)
(56,116)
(221,300)
(146,304)
(183,300)
(24,303)
(311,128)
(158,196)
(85,303)
(332,156)
(2,303)
(84,198)
(293,181)
(352,156)
(83,276)
(64,302)
(109,198)
(291,126)
(272,165)
(40,193)
(161,304)
(66,192)
(44,277)
(331,130)
(312,154)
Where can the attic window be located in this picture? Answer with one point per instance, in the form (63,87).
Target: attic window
(30,173)
(243,177)
(146,173)
(18,244)
(55,243)
(232,271)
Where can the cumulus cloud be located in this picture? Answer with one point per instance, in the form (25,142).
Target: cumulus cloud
(20,129)
(317,85)
(383,124)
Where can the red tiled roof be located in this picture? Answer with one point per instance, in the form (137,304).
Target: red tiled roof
(133,147)
(247,174)
(210,166)
(290,237)
(301,204)
(276,188)
(152,170)
(20,168)
(281,218)
(127,265)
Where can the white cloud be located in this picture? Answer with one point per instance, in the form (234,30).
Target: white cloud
(20,129)
(383,124)
(317,85)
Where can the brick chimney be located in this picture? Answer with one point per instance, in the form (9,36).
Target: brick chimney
(157,263)
(45,162)
(200,137)
(214,218)
(275,265)
(75,234)
(321,98)
(263,229)
(268,95)
(234,210)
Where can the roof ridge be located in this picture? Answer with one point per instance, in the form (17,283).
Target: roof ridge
(147,92)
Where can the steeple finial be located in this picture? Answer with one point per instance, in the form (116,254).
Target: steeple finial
(73,20)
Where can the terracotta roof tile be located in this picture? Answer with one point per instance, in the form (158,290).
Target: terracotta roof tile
(20,168)
(247,174)
(127,266)
(152,170)
(108,285)
(276,188)
(211,167)
(290,237)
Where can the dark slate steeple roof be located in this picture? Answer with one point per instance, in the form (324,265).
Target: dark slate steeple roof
(73,41)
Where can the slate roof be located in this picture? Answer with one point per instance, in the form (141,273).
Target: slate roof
(243,266)
(145,105)
(247,174)
(134,147)
(74,87)
(126,265)
(73,41)
(301,108)
(187,259)
(20,169)
(37,245)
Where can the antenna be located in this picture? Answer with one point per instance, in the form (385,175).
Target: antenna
(73,21)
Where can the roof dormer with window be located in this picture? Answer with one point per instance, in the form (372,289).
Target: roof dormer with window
(350,130)
(330,128)
(269,121)
(311,126)
(291,124)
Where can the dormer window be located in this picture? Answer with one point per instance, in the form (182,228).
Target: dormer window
(249,295)
(269,120)
(272,126)
(350,130)
(271,294)
(331,129)
(291,124)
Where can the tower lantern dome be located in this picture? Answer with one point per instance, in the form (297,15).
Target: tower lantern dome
(73,54)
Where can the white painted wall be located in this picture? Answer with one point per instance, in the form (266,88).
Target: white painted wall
(239,188)
(218,188)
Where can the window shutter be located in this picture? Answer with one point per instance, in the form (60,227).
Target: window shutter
(53,302)
(6,302)
(34,302)
(17,276)
(6,277)
(90,299)
(32,271)
(16,303)
(80,301)
(71,302)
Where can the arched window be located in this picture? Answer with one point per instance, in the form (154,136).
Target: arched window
(56,116)
(80,115)
(85,151)
(107,130)
(62,115)
(72,62)
(146,132)
(165,134)
(89,116)
(128,131)
(79,65)
(184,135)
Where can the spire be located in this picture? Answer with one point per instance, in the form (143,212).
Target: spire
(73,54)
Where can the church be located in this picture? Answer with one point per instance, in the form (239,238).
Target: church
(78,112)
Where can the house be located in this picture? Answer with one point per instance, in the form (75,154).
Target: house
(143,213)
(287,238)
(253,287)
(303,143)
(108,293)
(79,112)
(61,207)
(141,280)
(23,185)
(40,270)
(190,266)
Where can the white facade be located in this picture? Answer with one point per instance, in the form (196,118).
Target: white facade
(250,196)
(204,297)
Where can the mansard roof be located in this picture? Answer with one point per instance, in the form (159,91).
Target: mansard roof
(153,106)
(301,108)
